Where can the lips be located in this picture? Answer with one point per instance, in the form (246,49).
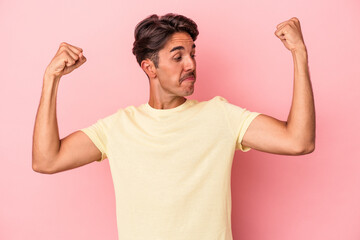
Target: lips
(190,78)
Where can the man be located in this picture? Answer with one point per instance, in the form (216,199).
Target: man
(171,157)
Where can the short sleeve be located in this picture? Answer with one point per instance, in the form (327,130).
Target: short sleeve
(239,120)
(96,132)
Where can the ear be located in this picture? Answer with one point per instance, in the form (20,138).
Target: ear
(149,68)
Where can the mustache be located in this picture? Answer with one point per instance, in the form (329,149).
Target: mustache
(191,74)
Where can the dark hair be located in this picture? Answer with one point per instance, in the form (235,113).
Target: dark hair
(152,33)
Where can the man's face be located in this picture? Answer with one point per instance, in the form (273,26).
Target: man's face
(176,70)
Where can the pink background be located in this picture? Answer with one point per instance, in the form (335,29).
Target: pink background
(314,196)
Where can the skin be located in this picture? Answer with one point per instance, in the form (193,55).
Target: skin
(296,136)
(167,86)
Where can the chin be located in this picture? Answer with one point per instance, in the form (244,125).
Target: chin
(188,93)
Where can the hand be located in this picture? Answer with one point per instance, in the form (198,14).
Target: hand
(66,59)
(290,34)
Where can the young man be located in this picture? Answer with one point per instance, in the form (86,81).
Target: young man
(171,157)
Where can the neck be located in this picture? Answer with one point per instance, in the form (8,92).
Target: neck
(159,99)
(166,102)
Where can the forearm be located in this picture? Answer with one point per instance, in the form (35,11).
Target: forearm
(46,141)
(301,119)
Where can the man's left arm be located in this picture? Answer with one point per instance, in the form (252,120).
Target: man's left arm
(297,135)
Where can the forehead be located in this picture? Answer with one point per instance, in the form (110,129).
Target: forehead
(179,39)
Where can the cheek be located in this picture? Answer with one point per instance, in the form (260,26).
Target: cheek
(174,72)
(171,72)
(168,76)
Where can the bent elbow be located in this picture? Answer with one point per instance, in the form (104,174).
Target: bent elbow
(311,148)
(305,149)
(39,168)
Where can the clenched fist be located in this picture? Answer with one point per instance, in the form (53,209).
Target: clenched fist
(290,34)
(66,59)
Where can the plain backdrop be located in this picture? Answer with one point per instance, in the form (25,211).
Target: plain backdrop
(275,197)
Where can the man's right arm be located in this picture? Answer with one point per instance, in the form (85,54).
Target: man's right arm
(49,153)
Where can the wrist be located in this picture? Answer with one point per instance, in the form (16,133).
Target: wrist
(50,77)
(49,73)
(299,50)
(300,53)
(50,81)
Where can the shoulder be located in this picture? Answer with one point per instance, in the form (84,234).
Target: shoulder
(220,101)
(217,100)
(230,108)
(110,118)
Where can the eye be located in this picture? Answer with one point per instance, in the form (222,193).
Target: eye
(178,58)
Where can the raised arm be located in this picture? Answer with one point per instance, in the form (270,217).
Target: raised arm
(297,135)
(49,153)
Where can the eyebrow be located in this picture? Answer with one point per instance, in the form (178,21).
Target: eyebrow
(181,48)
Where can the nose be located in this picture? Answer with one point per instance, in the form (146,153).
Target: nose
(190,64)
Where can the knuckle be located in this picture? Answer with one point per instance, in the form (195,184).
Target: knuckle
(71,60)
(63,47)
(63,53)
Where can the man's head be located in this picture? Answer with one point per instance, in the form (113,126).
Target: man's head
(152,33)
(164,48)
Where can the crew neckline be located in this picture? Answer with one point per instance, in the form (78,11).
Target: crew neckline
(165,111)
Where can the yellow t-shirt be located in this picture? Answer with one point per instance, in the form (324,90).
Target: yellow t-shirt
(171,168)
